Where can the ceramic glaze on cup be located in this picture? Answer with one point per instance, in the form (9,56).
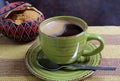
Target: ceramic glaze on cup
(66,49)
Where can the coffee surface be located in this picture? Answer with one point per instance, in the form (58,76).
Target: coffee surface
(61,28)
(71,29)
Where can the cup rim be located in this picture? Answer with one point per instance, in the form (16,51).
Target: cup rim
(66,17)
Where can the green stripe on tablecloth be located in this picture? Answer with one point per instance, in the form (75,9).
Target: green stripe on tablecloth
(32,78)
(20,78)
(110,30)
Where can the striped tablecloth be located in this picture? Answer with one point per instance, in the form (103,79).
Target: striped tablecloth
(12,65)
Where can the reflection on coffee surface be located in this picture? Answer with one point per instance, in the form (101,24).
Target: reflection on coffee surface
(61,28)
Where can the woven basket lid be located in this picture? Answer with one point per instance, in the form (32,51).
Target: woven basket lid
(12,6)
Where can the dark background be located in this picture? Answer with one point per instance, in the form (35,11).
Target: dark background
(94,12)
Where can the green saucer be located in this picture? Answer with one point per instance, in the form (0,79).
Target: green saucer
(60,75)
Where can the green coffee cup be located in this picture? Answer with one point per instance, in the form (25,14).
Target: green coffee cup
(67,49)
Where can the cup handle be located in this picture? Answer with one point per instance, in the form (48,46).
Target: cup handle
(98,49)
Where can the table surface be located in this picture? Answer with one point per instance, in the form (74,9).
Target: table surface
(12,55)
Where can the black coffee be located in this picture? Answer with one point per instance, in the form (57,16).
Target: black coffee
(71,29)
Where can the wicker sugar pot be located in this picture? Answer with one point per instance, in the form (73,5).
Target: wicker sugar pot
(19,21)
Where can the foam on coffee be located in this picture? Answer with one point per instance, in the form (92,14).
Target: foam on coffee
(61,28)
